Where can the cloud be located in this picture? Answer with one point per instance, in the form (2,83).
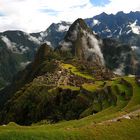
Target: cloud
(10,45)
(35,15)
(50,12)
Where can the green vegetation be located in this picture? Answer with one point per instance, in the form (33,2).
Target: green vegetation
(70,87)
(121,104)
(135,100)
(93,87)
(75,71)
(106,99)
(120,130)
(90,87)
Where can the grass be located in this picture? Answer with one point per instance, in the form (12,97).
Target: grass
(73,88)
(135,100)
(123,88)
(42,132)
(75,71)
(125,129)
(92,87)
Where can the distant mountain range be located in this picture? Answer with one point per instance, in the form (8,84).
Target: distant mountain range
(17,48)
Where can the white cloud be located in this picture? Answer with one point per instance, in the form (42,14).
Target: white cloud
(34,39)
(10,45)
(37,15)
(63,28)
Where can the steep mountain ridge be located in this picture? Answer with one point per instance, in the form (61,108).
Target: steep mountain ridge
(53,34)
(115,25)
(82,43)
(20,47)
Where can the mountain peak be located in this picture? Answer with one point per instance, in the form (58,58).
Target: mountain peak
(82,43)
(43,53)
(120,13)
(76,29)
(103,14)
(81,23)
(79,20)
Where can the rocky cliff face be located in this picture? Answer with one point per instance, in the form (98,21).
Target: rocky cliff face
(82,43)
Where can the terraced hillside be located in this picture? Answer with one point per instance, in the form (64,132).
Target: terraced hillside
(119,120)
(57,94)
(72,100)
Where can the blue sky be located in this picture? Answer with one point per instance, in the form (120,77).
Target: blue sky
(1,14)
(50,12)
(37,15)
(100,2)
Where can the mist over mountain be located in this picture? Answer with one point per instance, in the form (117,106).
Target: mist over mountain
(21,47)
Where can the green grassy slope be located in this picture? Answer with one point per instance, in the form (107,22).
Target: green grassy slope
(75,71)
(135,100)
(125,129)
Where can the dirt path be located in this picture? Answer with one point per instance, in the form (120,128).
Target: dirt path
(126,116)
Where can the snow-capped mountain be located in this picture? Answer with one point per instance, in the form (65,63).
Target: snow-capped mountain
(122,26)
(125,27)
(21,42)
(54,33)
